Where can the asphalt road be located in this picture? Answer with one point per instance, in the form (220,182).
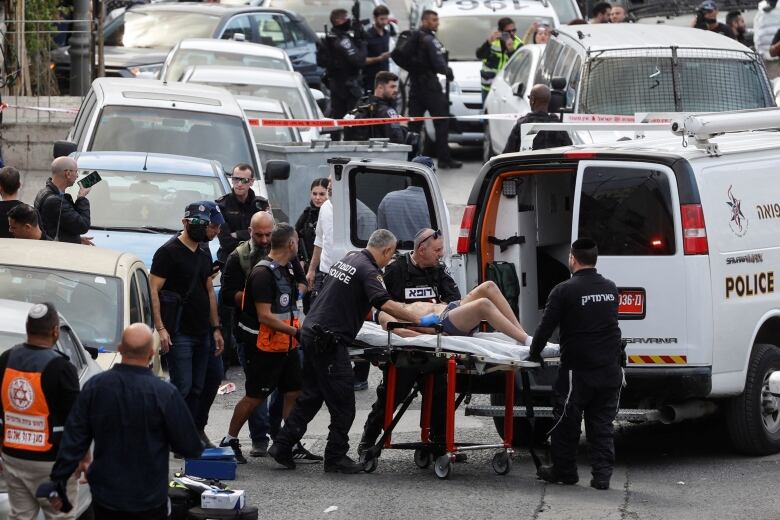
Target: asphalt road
(684,471)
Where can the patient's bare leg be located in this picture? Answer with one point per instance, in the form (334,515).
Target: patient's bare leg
(491,291)
(470,314)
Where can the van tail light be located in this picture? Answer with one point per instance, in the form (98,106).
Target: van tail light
(694,232)
(466,225)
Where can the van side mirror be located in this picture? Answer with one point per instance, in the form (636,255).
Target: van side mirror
(276,170)
(64,148)
(558,83)
(520,89)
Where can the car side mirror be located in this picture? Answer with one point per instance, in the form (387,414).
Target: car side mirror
(93,351)
(64,148)
(276,170)
(520,89)
(558,83)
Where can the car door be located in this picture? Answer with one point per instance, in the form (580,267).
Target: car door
(632,212)
(359,190)
(510,95)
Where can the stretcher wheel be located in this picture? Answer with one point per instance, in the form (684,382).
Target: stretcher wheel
(502,463)
(369,466)
(422,458)
(443,467)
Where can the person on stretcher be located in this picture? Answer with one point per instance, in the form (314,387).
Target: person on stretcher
(461,318)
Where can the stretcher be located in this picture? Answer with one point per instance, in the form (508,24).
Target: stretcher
(483,363)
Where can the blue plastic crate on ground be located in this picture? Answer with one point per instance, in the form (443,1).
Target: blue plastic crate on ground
(218,463)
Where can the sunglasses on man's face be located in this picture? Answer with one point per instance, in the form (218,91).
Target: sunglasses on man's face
(241,180)
(198,221)
(436,234)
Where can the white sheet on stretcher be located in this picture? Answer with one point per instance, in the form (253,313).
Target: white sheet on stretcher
(492,347)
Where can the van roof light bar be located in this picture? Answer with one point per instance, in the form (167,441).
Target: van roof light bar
(702,127)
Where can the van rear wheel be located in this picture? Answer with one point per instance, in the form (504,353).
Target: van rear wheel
(754,417)
(521,431)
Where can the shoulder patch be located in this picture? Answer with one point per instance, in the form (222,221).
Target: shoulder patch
(392,113)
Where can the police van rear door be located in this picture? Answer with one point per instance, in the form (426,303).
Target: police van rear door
(400,196)
(632,211)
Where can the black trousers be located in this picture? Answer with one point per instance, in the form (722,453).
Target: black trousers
(427,96)
(102,513)
(327,378)
(405,379)
(577,394)
(344,95)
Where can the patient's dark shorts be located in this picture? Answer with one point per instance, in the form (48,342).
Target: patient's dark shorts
(446,324)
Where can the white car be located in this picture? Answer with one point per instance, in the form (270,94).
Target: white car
(151,116)
(207,51)
(265,108)
(463,26)
(289,87)
(13,315)
(509,95)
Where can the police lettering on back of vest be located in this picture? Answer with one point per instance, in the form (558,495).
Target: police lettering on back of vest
(26,424)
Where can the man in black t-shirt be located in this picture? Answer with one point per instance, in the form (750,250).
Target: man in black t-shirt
(377,47)
(184,305)
(269,328)
(353,285)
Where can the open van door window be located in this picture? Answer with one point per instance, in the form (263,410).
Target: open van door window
(398,200)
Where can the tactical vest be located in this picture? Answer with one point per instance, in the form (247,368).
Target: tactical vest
(420,286)
(244,250)
(283,308)
(26,422)
(496,61)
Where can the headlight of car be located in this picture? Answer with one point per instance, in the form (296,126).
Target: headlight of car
(146,71)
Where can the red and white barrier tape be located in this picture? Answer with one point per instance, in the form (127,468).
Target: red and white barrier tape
(6,106)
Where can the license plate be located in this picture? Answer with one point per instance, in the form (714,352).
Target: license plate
(632,303)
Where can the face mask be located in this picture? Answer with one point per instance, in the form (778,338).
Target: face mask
(197,232)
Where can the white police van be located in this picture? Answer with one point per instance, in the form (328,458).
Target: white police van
(463,26)
(688,227)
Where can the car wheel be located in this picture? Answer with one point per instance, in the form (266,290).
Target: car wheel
(487,145)
(754,417)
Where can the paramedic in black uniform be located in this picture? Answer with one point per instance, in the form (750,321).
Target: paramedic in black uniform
(590,375)
(414,277)
(353,285)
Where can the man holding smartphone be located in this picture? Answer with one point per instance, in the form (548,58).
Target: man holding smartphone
(496,51)
(62,218)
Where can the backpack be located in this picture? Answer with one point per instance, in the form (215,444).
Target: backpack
(363,110)
(406,53)
(505,277)
(325,52)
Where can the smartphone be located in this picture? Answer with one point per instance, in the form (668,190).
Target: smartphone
(216,266)
(90,180)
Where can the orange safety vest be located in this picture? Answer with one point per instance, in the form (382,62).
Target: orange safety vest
(26,423)
(283,308)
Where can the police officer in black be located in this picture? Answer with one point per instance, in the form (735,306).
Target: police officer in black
(237,208)
(590,375)
(346,50)
(426,92)
(415,276)
(353,285)
(381,104)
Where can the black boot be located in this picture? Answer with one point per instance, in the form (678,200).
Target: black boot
(550,474)
(282,456)
(600,484)
(343,465)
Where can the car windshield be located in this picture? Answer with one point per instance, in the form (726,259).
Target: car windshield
(153,28)
(218,137)
(147,199)
(191,57)
(270,134)
(626,85)
(290,95)
(91,303)
(462,35)
(317,12)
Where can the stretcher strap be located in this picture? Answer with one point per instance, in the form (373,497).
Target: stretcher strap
(529,412)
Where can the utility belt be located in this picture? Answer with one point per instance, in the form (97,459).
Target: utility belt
(326,341)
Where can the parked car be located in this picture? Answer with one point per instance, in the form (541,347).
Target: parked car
(13,315)
(317,12)
(267,108)
(150,116)
(139,203)
(289,87)
(623,69)
(205,51)
(138,40)
(99,291)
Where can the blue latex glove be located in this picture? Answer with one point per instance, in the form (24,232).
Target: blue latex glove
(429,320)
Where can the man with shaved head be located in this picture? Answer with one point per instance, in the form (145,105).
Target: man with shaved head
(62,218)
(539,99)
(237,268)
(135,419)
